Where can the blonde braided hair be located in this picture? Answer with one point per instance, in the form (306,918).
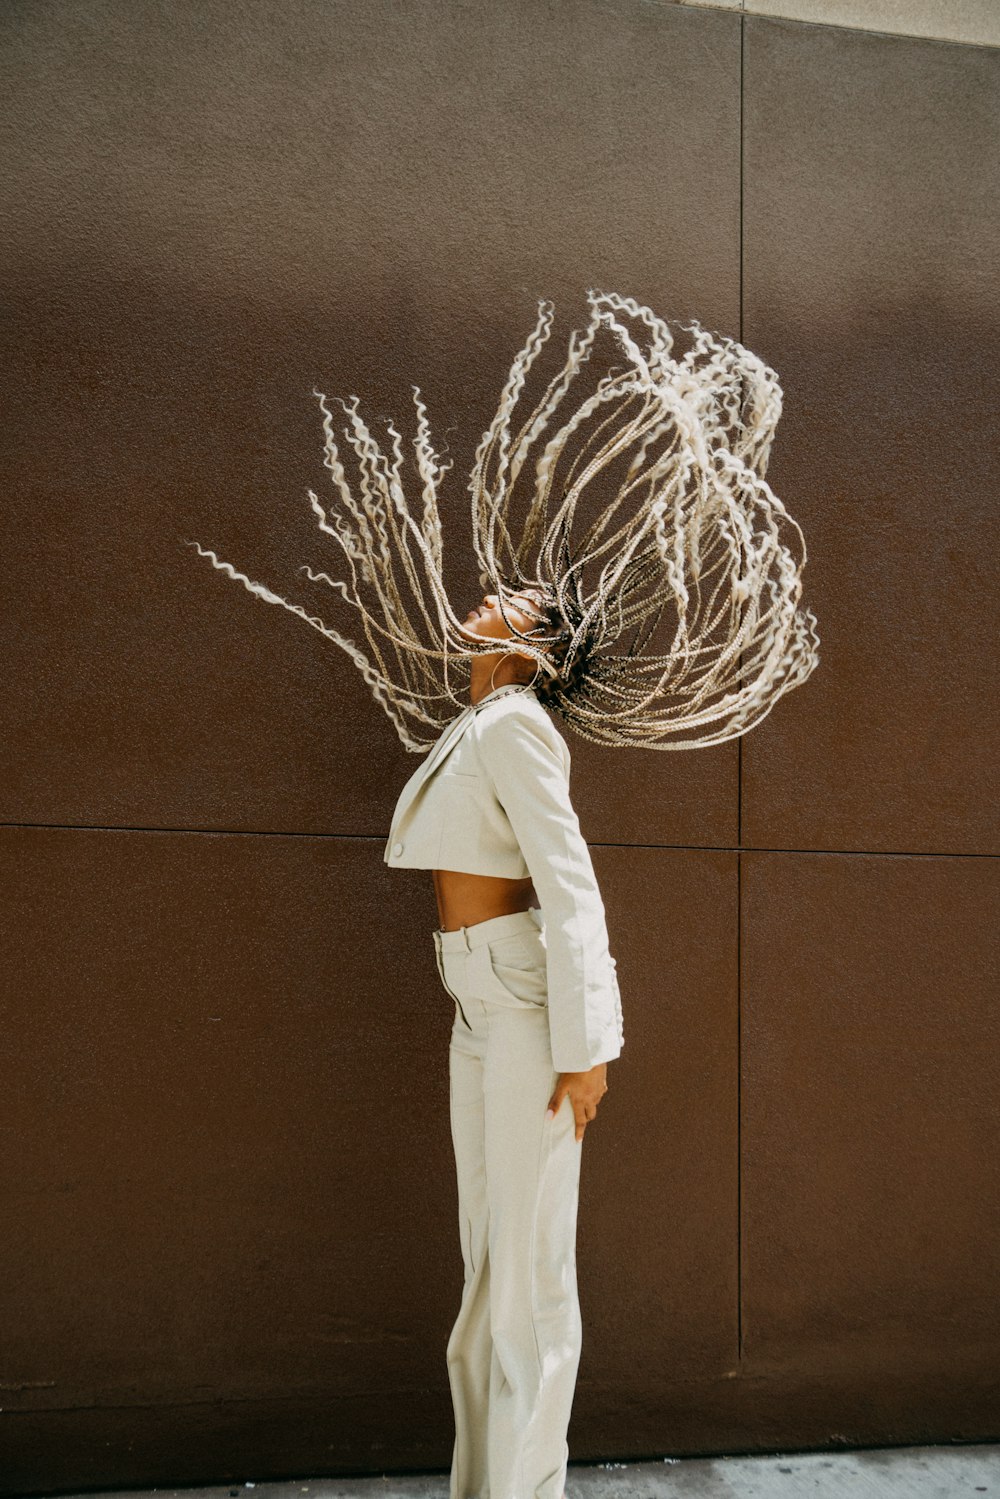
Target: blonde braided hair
(673,621)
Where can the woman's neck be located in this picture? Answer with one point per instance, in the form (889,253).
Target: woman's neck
(481,686)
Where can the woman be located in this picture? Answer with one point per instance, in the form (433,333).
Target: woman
(669,619)
(524,1083)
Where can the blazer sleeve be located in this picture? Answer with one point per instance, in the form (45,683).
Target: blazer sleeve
(524,757)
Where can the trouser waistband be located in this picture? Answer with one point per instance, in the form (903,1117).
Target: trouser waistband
(465,938)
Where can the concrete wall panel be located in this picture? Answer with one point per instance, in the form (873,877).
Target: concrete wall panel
(214,216)
(871,179)
(870,1140)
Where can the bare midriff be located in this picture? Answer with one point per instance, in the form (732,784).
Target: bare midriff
(464,899)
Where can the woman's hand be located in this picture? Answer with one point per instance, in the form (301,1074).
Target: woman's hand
(585,1089)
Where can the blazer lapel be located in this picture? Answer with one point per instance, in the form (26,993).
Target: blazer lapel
(449,735)
(447,739)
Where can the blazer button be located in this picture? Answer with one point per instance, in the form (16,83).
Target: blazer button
(397,849)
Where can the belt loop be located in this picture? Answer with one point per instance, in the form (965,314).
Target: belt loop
(465,938)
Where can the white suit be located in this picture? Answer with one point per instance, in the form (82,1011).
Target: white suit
(492,797)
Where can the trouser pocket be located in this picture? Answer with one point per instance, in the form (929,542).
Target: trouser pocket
(518,971)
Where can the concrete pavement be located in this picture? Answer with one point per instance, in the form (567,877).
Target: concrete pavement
(870,1473)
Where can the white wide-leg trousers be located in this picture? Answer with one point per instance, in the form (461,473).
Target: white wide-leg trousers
(514,1350)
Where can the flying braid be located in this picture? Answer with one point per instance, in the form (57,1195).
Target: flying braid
(639,510)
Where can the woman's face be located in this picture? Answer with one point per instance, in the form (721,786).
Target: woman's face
(485,619)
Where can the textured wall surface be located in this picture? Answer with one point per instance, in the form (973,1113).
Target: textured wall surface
(230,1245)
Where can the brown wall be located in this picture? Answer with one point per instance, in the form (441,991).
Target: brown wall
(228,1245)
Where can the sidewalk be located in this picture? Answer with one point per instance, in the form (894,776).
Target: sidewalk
(870,1473)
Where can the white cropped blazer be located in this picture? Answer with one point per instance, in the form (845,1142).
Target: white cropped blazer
(492,797)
